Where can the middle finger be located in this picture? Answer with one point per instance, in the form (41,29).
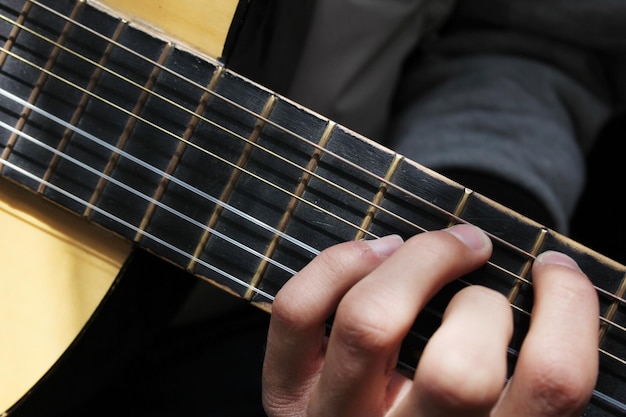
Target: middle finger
(376,314)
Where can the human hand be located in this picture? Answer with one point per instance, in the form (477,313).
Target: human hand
(376,289)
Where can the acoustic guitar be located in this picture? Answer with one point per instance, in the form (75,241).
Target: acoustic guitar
(121,128)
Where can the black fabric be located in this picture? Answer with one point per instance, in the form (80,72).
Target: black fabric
(599,219)
(134,361)
(134,312)
(266,40)
(209,368)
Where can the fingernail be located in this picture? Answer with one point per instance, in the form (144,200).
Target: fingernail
(470,235)
(557,258)
(385,245)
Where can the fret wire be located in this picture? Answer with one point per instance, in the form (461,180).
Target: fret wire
(459,220)
(291,206)
(155,170)
(349,163)
(123,153)
(138,194)
(612,310)
(124,223)
(15,31)
(528,314)
(128,129)
(79,131)
(302,139)
(178,154)
(379,197)
(526,267)
(519,279)
(43,76)
(419,198)
(606,321)
(82,105)
(461,204)
(228,191)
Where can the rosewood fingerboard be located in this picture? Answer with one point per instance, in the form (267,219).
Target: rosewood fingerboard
(237,184)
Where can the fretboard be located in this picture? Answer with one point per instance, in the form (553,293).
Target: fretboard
(236,184)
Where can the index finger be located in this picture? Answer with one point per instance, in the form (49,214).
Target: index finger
(296,336)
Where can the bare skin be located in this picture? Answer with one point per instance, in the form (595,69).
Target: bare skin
(378,287)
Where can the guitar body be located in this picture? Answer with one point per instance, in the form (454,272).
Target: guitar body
(126,163)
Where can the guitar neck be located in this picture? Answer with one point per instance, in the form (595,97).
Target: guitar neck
(235,183)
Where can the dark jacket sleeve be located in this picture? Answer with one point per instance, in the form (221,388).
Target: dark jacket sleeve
(505,101)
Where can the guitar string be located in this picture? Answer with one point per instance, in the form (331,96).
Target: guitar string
(224,129)
(86,167)
(227,275)
(132,227)
(188,142)
(278,126)
(227,131)
(153,169)
(513,306)
(300,138)
(325,211)
(353,165)
(265,120)
(342,189)
(150,199)
(169,177)
(259,117)
(139,194)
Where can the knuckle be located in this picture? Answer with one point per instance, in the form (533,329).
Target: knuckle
(286,311)
(289,314)
(364,329)
(292,307)
(340,260)
(282,404)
